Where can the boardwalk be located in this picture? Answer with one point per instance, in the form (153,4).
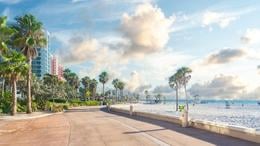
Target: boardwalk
(97,128)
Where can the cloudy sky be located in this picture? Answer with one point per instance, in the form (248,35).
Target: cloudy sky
(143,42)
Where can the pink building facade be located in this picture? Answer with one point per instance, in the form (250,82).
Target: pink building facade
(56,68)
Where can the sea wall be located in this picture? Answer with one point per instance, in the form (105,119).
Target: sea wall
(234,131)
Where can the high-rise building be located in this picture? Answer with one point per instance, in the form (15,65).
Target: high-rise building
(56,68)
(41,64)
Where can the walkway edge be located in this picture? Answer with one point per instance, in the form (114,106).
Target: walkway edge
(237,132)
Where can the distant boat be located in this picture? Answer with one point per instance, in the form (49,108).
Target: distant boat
(258,102)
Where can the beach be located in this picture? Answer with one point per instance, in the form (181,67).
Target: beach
(246,115)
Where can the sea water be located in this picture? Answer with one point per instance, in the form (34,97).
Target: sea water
(244,113)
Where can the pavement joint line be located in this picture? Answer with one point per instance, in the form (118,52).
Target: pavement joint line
(156,140)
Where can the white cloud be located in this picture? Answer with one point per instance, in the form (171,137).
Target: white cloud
(222,19)
(251,36)
(147,29)
(224,56)
(136,83)
(220,87)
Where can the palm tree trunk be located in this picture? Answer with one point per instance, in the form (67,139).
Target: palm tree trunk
(14,98)
(103,89)
(116,95)
(3,87)
(177,99)
(187,105)
(29,97)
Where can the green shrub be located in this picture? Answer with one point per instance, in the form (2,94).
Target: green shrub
(66,106)
(92,103)
(21,107)
(56,107)
(34,106)
(6,102)
(58,100)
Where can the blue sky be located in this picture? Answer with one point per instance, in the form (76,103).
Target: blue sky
(143,42)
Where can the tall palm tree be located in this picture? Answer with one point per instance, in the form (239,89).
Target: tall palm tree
(71,78)
(5,35)
(115,84)
(185,76)
(147,96)
(121,86)
(86,83)
(103,78)
(28,38)
(174,82)
(93,87)
(13,66)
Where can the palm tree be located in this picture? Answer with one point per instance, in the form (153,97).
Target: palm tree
(121,86)
(185,76)
(86,83)
(93,87)
(5,35)
(28,38)
(147,96)
(103,78)
(174,82)
(51,81)
(13,66)
(115,84)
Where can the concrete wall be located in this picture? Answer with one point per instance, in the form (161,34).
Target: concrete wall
(237,132)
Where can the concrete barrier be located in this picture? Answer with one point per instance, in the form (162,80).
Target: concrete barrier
(233,131)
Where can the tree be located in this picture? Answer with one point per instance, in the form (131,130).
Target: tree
(185,76)
(13,66)
(103,78)
(29,37)
(93,87)
(5,35)
(52,82)
(86,83)
(115,84)
(121,86)
(158,98)
(147,96)
(72,78)
(174,82)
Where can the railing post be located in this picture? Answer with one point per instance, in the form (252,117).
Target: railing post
(131,110)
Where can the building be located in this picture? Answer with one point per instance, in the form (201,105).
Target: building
(41,64)
(56,68)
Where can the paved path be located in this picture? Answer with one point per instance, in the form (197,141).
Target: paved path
(84,127)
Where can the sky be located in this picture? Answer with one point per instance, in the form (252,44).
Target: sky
(144,42)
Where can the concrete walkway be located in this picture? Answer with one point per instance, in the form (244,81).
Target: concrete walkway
(81,127)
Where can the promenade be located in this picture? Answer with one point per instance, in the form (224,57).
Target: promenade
(91,127)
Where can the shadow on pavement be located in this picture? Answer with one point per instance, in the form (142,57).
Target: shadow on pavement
(214,138)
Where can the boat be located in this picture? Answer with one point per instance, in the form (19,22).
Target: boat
(258,103)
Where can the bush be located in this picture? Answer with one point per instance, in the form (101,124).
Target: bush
(66,106)
(56,107)
(77,102)
(92,103)
(6,102)
(58,100)
(34,106)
